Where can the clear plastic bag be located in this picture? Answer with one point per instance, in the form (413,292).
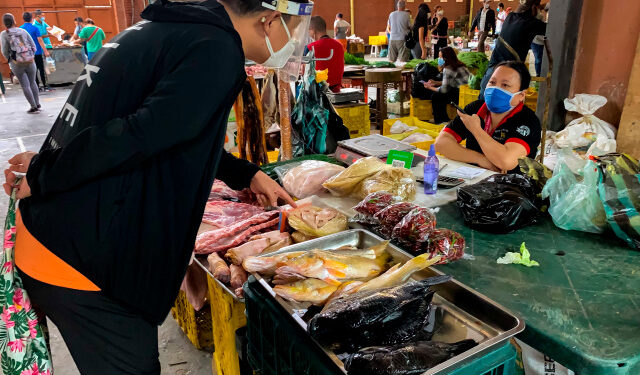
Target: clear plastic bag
(305,179)
(349,180)
(447,244)
(412,232)
(317,222)
(391,216)
(575,204)
(397,181)
(371,205)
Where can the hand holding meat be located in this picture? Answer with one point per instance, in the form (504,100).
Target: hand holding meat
(268,191)
(19,163)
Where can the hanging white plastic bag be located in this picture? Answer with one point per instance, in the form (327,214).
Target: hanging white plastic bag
(583,131)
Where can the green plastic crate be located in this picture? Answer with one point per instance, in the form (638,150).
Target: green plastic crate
(277,345)
(269,168)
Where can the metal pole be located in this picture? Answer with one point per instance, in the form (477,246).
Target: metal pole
(545,119)
(353,18)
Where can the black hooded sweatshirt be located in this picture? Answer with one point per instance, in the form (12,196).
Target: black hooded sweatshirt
(120,184)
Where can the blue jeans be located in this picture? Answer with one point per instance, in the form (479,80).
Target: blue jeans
(90,55)
(538,52)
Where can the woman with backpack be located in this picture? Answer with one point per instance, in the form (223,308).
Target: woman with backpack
(19,49)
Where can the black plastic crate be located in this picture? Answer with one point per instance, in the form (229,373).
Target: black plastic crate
(277,345)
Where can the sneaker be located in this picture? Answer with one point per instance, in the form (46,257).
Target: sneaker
(33,110)
(48,89)
(39,107)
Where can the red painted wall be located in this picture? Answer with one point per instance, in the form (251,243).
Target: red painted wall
(371,15)
(605,53)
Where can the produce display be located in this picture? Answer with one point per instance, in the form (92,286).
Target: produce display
(350,59)
(477,62)
(306,179)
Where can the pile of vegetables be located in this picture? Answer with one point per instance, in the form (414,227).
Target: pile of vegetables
(350,59)
(477,63)
(384,64)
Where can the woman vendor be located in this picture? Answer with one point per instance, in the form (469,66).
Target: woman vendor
(500,129)
(454,75)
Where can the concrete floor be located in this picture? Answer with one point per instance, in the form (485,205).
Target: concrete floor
(20,131)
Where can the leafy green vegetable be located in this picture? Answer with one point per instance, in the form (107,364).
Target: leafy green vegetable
(415,62)
(524,258)
(350,59)
(477,62)
(384,64)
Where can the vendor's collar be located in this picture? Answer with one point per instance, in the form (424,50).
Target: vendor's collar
(484,113)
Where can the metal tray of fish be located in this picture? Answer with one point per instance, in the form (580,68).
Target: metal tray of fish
(459,311)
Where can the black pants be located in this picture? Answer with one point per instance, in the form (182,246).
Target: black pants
(39,59)
(438,46)
(102,336)
(439,103)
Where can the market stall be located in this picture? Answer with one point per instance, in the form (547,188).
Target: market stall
(69,63)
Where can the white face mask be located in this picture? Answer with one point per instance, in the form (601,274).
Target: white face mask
(486,6)
(279,59)
(441,13)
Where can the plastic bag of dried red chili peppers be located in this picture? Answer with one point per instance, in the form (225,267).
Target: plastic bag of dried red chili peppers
(413,231)
(447,244)
(391,216)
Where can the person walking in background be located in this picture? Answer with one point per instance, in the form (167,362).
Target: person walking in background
(518,31)
(502,15)
(43,27)
(322,47)
(454,75)
(439,31)
(19,49)
(485,21)
(397,27)
(40,49)
(420,28)
(537,46)
(341,29)
(93,36)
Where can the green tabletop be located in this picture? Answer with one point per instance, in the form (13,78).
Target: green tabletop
(581,306)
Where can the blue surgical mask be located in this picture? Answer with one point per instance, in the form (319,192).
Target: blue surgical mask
(42,18)
(498,100)
(440,61)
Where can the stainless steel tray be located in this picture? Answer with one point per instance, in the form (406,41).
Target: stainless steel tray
(462,312)
(202,262)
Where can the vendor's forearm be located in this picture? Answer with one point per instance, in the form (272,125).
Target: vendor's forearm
(450,148)
(496,152)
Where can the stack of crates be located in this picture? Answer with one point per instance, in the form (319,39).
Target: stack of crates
(356,118)
(423,110)
(277,345)
(430,129)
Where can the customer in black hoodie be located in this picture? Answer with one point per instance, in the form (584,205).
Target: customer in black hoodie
(118,189)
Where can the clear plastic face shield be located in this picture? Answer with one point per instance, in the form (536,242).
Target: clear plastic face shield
(289,57)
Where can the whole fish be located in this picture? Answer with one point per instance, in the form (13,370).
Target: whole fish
(397,275)
(375,317)
(405,359)
(309,290)
(267,265)
(329,266)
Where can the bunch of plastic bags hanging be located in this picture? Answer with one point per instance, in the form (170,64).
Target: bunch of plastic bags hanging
(316,126)
(597,194)
(500,203)
(619,190)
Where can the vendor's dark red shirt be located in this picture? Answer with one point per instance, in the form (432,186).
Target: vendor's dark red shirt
(323,47)
(520,126)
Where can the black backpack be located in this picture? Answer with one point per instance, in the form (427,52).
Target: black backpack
(423,72)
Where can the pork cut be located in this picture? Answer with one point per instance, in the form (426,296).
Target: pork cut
(225,238)
(221,214)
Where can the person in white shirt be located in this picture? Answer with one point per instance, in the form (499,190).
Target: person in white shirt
(341,28)
(502,15)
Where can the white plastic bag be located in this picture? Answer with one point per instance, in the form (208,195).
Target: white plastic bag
(602,146)
(50,65)
(400,127)
(583,131)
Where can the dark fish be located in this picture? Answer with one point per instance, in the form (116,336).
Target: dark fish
(404,359)
(377,317)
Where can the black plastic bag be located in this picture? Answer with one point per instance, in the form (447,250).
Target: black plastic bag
(499,203)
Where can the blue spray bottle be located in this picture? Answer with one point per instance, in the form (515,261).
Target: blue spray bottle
(431,170)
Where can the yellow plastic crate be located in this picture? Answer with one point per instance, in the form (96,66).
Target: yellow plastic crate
(355,118)
(377,40)
(411,121)
(423,110)
(468,95)
(272,156)
(227,315)
(195,324)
